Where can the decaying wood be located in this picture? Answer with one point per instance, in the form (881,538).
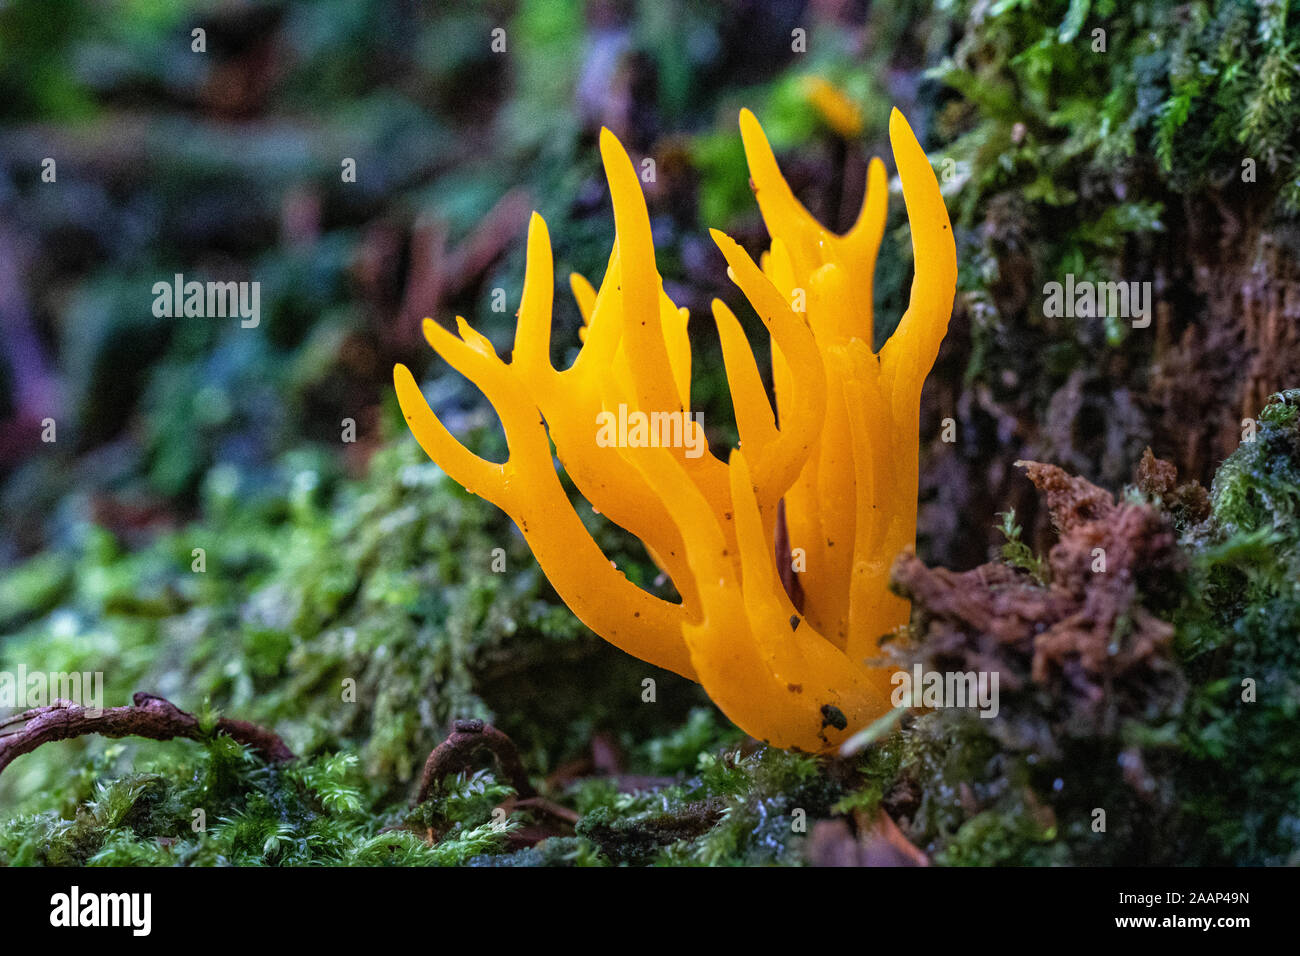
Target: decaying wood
(1091,634)
(457,754)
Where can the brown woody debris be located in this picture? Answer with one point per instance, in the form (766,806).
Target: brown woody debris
(1158,479)
(149,716)
(468,741)
(1090,637)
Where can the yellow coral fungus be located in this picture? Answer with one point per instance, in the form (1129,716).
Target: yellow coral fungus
(843,457)
(834,106)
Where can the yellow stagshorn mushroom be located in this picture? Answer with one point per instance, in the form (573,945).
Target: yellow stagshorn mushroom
(843,458)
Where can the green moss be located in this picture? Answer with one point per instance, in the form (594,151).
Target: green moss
(996,838)
(225,807)
(704,732)
(1098,83)
(1018,554)
(1258,488)
(358,615)
(1242,785)
(33,588)
(554,851)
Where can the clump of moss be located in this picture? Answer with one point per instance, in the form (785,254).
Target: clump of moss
(553,851)
(736,809)
(459,803)
(1258,489)
(1018,554)
(222,806)
(349,615)
(1242,782)
(1096,81)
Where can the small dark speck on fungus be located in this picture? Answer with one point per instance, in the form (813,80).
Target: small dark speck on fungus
(832,716)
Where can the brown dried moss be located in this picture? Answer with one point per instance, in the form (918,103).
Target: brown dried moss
(1091,640)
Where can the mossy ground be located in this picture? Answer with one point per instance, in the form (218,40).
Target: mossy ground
(1218,781)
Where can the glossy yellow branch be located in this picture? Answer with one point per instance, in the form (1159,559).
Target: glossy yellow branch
(839,449)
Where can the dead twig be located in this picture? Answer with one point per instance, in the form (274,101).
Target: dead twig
(456,754)
(438,271)
(549,808)
(153,717)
